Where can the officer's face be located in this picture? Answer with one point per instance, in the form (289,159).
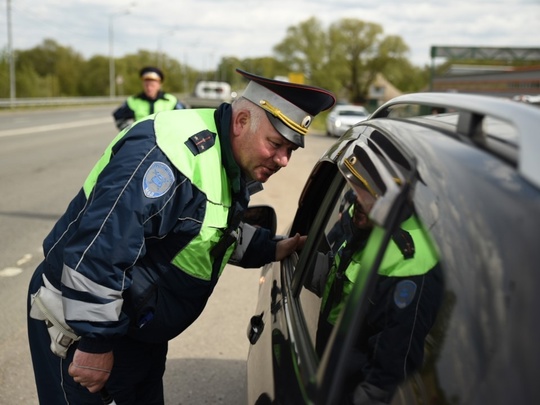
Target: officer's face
(151,88)
(362,207)
(260,150)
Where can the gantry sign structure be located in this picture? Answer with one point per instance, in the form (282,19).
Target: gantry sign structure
(457,53)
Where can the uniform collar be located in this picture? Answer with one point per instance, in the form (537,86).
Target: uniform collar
(160,96)
(223,117)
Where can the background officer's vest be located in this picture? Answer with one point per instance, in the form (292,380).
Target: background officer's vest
(141,107)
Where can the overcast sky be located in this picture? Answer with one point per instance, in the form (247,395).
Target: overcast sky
(201,32)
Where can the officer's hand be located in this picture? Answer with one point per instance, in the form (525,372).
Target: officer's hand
(91,370)
(286,247)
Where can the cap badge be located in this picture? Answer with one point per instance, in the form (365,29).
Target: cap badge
(276,112)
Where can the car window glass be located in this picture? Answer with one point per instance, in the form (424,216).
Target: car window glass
(336,231)
(365,265)
(372,176)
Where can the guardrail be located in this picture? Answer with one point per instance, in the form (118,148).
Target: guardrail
(72,101)
(58,101)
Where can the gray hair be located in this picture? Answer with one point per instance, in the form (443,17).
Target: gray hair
(256,113)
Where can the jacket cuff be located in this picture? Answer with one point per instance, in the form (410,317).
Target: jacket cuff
(95,345)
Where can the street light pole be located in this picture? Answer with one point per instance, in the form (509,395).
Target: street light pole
(112,67)
(159,53)
(112,73)
(12,88)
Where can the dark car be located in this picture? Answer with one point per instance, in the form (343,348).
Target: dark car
(435,301)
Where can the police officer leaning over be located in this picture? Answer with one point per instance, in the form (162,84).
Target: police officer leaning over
(139,250)
(151,100)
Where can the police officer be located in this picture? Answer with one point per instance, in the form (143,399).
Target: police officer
(402,306)
(151,100)
(140,248)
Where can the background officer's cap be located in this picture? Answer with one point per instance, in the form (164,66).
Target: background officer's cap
(290,107)
(151,73)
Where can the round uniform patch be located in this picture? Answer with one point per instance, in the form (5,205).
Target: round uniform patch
(404,293)
(157,180)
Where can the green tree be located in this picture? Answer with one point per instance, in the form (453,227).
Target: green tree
(362,51)
(95,77)
(5,83)
(407,77)
(347,57)
(227,70)
(53,62)
(30,84)
(304,50)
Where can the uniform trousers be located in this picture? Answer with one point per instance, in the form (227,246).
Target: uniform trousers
(136,377)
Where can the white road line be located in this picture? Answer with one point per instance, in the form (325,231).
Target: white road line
(25,259)
(54,127)
(10,272)
(15,271)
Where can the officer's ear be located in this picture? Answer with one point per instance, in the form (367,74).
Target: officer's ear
(241,122)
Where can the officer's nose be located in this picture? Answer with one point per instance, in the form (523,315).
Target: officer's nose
(281,158)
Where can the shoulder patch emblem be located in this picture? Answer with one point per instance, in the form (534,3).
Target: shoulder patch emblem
(404,293)
(157,180)
(201,141)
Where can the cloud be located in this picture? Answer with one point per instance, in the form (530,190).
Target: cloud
(202,31)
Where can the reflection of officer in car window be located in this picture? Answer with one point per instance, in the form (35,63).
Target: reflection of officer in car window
(403,305)
(342,229)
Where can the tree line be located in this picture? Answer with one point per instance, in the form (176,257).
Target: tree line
(344,58)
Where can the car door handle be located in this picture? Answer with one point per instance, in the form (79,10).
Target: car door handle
(255,328)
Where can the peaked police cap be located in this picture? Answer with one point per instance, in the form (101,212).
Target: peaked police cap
(151,73)
(290,107)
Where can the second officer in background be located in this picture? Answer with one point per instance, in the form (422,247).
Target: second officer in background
(151,100)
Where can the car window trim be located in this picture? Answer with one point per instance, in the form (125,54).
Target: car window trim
(316,233)
(299,339)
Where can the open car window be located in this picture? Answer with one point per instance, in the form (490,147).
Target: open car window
(363,167)
(361,238)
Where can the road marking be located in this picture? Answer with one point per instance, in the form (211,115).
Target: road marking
(15,271)
(25,259)
(10,272)
(54,127)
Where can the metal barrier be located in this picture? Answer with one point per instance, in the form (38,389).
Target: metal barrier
(58,101)
(6,103)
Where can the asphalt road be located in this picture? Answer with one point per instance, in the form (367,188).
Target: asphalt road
(45,156)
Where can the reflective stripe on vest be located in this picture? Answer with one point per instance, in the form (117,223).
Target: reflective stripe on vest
(393,263)
(207,174)
(141,107)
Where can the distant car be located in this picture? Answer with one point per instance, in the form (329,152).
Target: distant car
(344,116)
(213,90)
(470,178)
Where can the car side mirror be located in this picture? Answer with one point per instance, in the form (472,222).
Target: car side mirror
(262,216)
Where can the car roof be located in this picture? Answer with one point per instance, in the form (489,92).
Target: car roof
(480,119)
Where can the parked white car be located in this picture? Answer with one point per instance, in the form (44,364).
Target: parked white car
(344,116)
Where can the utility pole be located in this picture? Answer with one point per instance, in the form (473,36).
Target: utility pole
(112,67)
(12,88)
